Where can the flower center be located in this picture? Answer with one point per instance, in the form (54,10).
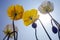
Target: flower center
(15,14)
(30,18)
(46,10)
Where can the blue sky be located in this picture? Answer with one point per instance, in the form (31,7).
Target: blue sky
(27,33)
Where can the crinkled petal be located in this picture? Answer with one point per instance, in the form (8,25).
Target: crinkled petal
(30,16)
(46,7)
(15,9)
(9,29)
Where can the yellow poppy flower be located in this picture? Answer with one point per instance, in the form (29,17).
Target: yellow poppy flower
(9,29)
(46,7)
(15,12)
(30,16)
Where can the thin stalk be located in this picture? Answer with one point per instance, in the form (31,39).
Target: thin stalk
(45,30)
(8,37)
(16,34)
(13,23)
(51,22)
(4,37)
(36,34)
(14,29)
(57,24)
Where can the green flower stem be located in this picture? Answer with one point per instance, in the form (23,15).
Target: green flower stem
(57,24)
(51,22)
(4,37)
(45,30)
(14,29)
(16,34)
(8,37)
(36,34)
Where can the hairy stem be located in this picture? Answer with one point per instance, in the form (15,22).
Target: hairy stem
(45,30)
(36,34)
